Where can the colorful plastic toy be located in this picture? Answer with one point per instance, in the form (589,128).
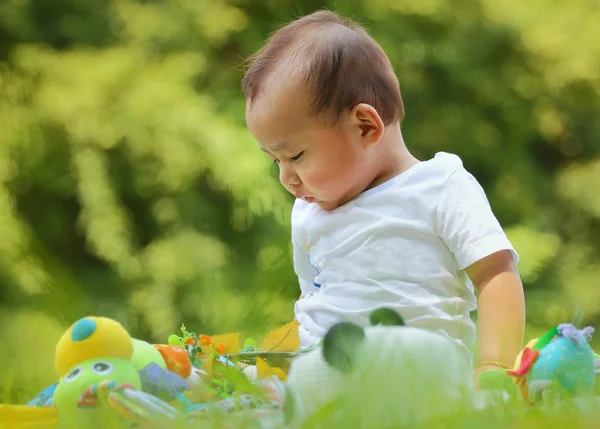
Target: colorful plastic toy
(108,379)
(561,362)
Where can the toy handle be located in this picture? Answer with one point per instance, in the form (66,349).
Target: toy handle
(129,403)
(142,407)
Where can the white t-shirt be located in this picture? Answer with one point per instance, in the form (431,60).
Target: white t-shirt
(404,245)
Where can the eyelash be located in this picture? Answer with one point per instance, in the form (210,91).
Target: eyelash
(292,159)
(297,157)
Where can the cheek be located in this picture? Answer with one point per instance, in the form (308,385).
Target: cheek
(325,177)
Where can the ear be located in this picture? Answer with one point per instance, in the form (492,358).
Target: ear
(341,344)
(369,122)
(385,316)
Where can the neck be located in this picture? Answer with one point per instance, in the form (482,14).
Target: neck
(393,158)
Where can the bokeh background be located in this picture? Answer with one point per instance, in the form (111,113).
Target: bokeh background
(130,188)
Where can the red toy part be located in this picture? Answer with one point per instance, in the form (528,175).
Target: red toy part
(176,358)
(528,358)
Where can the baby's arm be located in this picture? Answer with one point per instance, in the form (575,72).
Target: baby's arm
(469,228)
(501,309)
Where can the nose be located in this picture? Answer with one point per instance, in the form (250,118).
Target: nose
(288,177)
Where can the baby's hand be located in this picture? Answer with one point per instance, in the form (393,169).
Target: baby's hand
(483,368)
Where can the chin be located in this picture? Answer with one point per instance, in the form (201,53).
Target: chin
(327,206)
(337,203)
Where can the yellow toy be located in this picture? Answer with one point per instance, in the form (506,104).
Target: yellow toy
(92,337)
(92,350)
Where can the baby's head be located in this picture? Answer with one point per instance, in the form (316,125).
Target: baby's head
(321,96)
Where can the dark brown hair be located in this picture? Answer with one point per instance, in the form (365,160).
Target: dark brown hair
(337,58)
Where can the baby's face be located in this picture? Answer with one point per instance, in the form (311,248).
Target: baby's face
(318,163)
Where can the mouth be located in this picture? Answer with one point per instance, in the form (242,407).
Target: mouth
(306,198)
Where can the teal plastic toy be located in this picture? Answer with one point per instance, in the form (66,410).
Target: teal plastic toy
(560,363)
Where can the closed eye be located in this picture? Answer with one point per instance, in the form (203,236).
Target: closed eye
(297,157)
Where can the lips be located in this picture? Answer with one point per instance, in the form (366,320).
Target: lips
(306,198)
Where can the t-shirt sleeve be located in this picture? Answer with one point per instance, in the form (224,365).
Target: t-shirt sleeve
(465,221)
(302,267)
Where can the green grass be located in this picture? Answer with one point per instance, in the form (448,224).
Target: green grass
(568,414)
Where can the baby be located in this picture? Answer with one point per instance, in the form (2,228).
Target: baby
(372,226)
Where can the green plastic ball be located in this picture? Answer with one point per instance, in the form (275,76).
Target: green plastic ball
(144,354)
(174,340)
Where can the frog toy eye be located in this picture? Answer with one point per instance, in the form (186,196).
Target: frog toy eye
(386,317)
(341,344)
(73,374)
(102,368)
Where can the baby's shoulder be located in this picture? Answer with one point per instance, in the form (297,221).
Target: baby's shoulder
(441,175)
(441,167)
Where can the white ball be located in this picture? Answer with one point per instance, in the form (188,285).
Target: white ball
(400,375)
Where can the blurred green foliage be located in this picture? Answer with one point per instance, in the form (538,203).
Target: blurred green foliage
(130,188)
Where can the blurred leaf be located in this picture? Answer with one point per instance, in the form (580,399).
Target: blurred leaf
(208,364)
(230,341)
(284,339)
(22,331)
(536,249)
(580,184)
(264,370)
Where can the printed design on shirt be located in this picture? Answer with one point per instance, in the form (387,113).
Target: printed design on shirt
(315,284)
